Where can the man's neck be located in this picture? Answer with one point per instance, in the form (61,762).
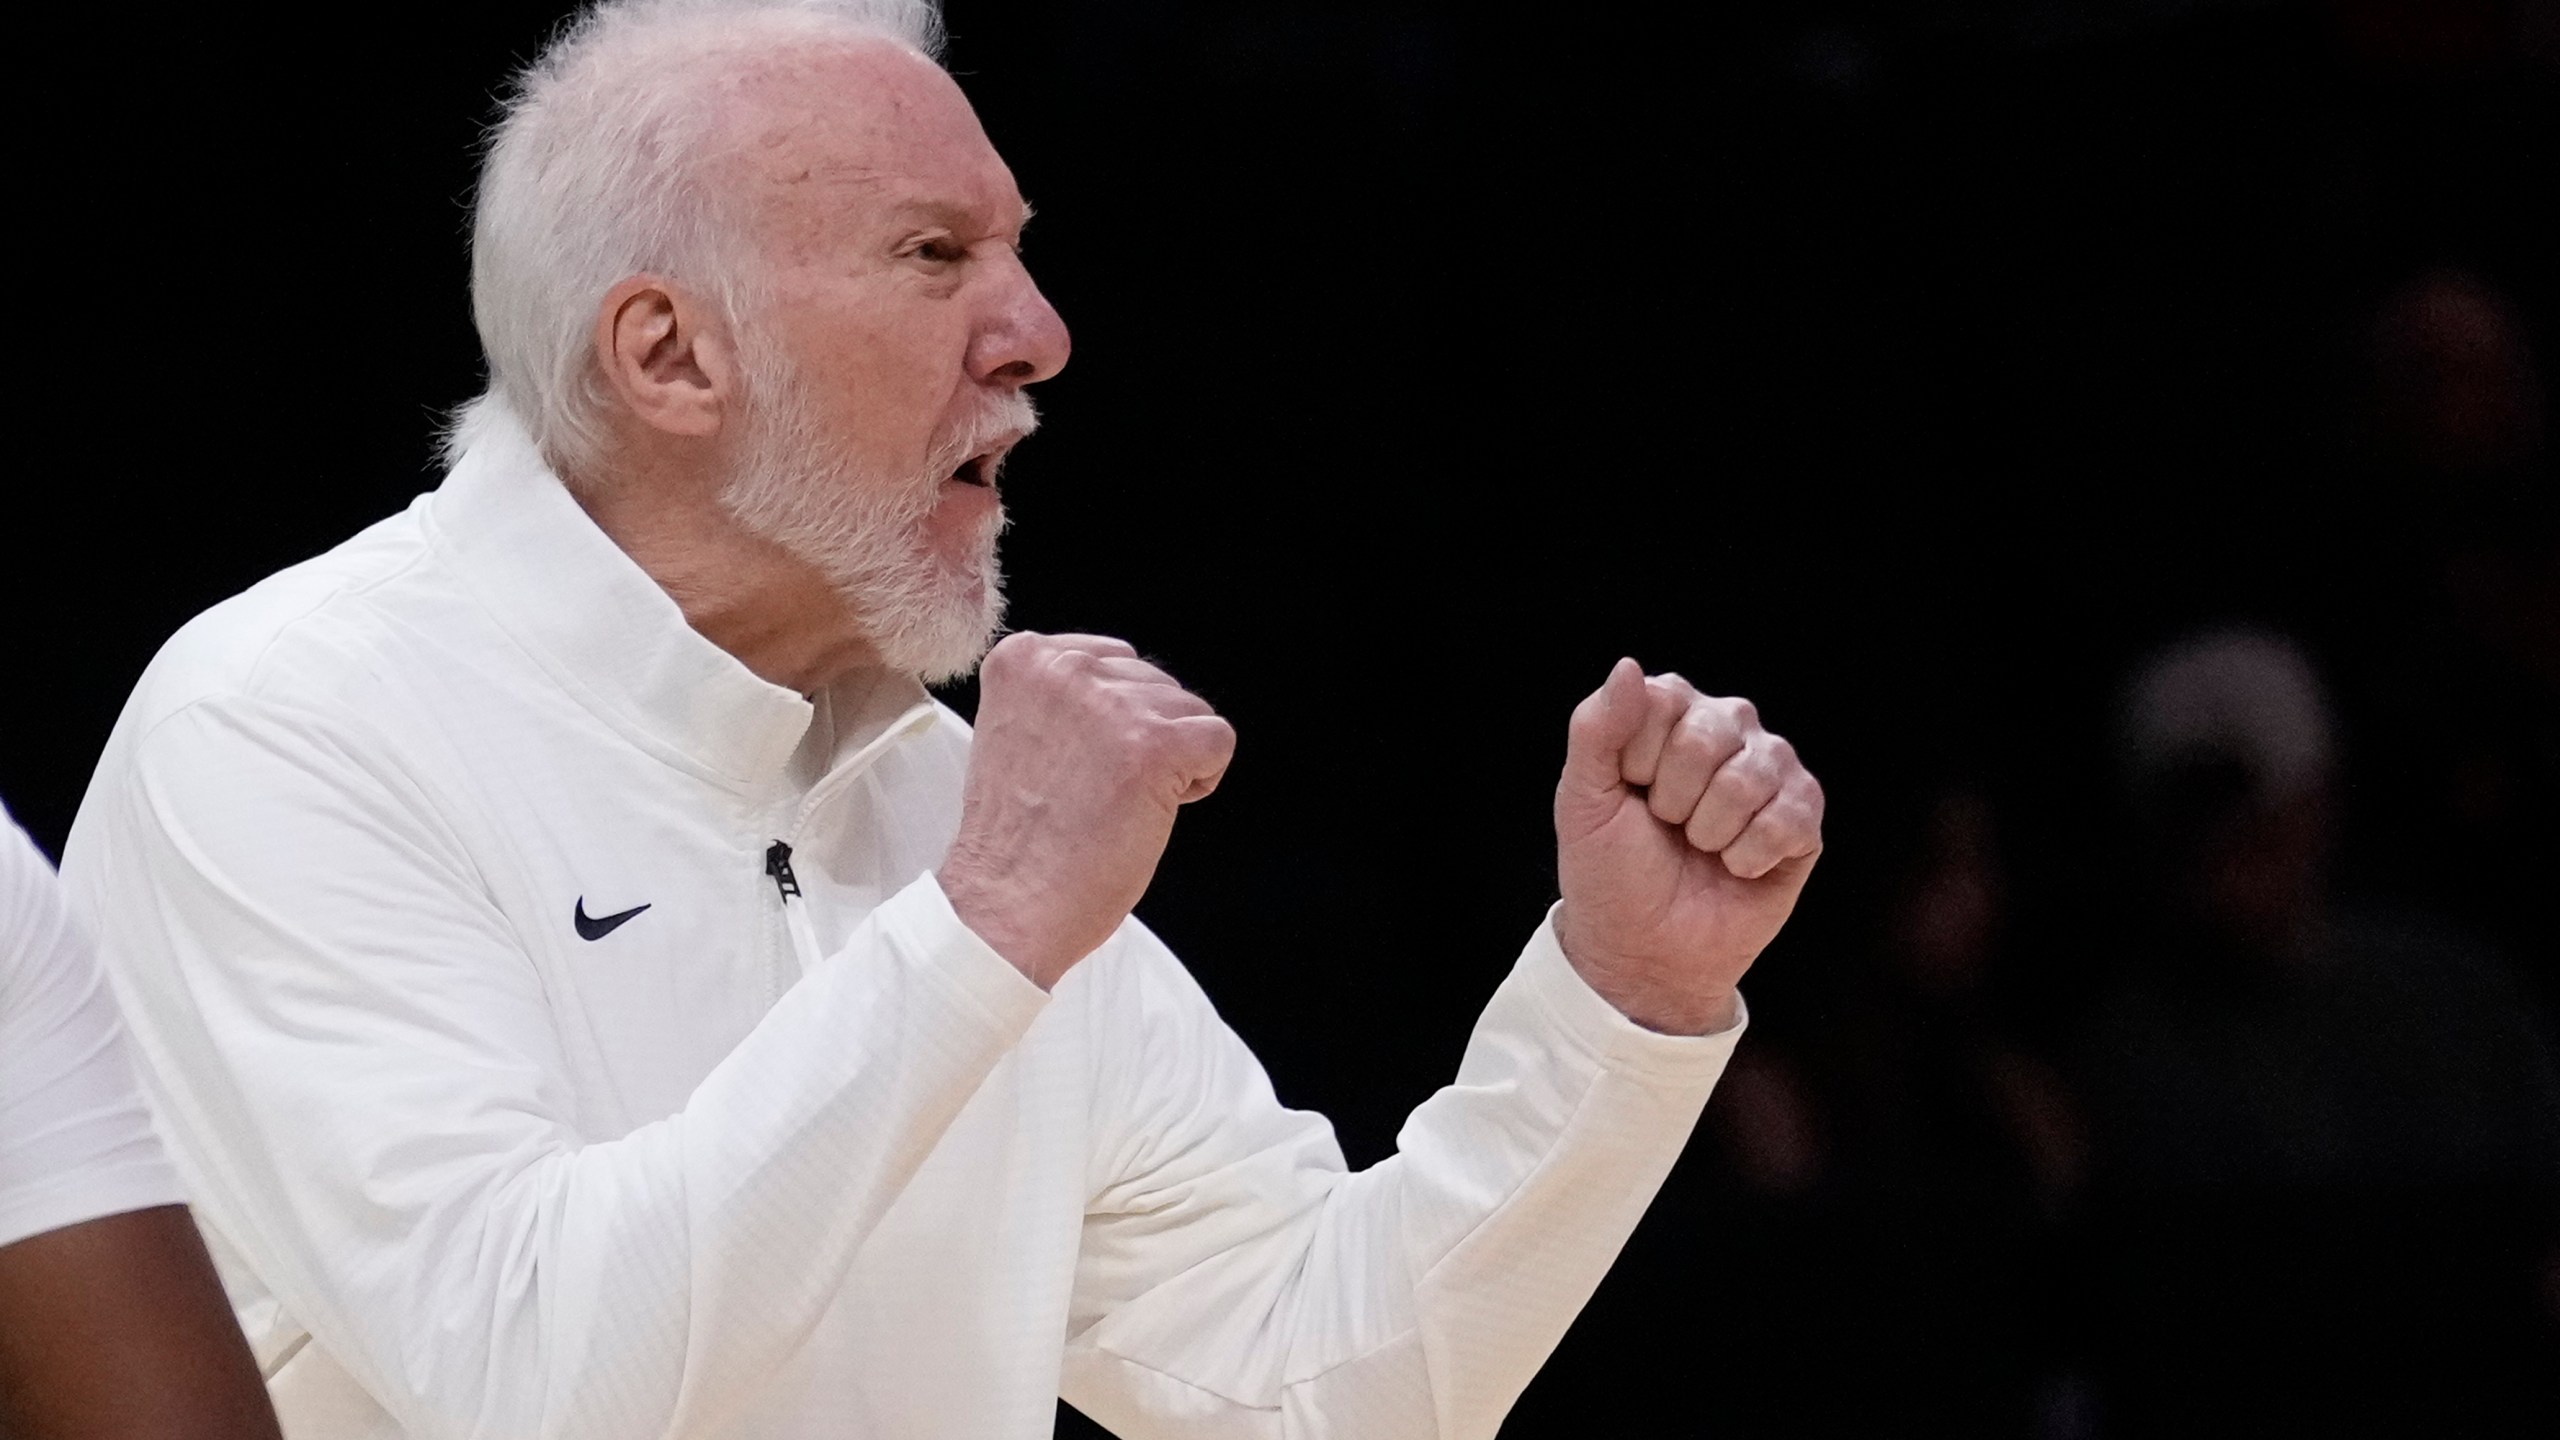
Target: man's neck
(775,612)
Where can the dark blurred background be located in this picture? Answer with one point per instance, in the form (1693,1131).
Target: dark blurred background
(2111,437)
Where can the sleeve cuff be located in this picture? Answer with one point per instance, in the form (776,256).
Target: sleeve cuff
(1589,1022)
(88,1195)
(922,918)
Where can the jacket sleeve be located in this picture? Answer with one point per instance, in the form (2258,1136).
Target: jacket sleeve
(366,1096)
(1236,1281)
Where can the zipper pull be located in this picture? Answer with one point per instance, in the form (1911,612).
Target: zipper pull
(777,863)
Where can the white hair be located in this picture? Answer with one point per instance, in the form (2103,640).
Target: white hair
(594,174)
(2246,696)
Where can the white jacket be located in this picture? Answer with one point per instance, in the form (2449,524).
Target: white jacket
(484,1149)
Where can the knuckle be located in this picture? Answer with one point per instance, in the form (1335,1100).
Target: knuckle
(1794,825)
(1767,772)
(1137,745)
(1739,775)
(1701,735)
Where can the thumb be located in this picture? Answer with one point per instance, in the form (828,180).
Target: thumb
(1602,726)
(1200,761)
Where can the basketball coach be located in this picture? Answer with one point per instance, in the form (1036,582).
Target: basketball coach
(592,989)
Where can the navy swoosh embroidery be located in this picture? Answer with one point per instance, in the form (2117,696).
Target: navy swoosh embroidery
(598,927)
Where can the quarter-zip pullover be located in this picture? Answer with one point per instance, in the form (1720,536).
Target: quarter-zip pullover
(561,1033)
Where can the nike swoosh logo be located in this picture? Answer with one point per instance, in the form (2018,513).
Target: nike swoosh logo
(596,927)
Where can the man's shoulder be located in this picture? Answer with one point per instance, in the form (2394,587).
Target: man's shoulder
(292,637)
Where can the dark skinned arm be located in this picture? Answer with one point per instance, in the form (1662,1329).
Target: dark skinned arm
(117,1329)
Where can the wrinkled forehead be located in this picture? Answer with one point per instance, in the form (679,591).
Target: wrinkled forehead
(833,142)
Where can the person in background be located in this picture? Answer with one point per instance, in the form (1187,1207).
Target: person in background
(112,1324)
(2452,669)
(1904,1166)
(2328,1133)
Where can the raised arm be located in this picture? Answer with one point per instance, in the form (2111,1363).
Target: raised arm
(369,1097)
(1236,1281)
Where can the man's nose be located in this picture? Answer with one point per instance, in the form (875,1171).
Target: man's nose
(1022,341)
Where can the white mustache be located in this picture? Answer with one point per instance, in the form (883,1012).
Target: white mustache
(1009,417)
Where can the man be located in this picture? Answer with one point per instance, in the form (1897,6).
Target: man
(111,1321)
(2284,1073)
(596,991)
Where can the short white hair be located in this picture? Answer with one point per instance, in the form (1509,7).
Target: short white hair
(2244,696)
(592,175)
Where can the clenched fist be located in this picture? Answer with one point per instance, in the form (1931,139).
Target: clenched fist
(1684,833)
(1083,754)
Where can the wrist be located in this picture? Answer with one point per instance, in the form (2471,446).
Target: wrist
(998,918)
(1648,991)
(1709,1014)
(1663,1010)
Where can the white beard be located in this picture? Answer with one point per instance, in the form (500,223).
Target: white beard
(925,615)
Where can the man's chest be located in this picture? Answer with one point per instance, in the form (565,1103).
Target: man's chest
(657,907)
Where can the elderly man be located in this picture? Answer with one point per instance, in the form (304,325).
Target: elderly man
(594,990)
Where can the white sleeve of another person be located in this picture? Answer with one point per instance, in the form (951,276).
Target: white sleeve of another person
(363,1086)
(76,1142)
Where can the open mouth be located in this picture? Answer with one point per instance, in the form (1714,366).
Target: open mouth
(984,466)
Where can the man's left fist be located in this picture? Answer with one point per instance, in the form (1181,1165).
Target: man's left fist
(1684,833)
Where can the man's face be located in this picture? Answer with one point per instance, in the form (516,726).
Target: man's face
(887,356)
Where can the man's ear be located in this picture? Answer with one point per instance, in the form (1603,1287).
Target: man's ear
(665,356)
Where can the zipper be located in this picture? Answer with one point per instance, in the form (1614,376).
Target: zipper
(916,719)
(795,916)
(777,856)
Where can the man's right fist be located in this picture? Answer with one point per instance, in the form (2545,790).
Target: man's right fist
(1083,754)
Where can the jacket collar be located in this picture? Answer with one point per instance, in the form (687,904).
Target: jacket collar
(610,636)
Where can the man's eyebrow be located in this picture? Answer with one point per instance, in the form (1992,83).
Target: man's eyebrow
(950,214)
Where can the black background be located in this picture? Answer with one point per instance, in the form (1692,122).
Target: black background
(1911,369)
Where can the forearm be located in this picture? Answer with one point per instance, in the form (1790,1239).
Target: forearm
(117,1326)
(906,1023)
(1421,1295)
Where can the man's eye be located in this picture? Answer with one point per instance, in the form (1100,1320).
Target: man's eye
(942,252)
